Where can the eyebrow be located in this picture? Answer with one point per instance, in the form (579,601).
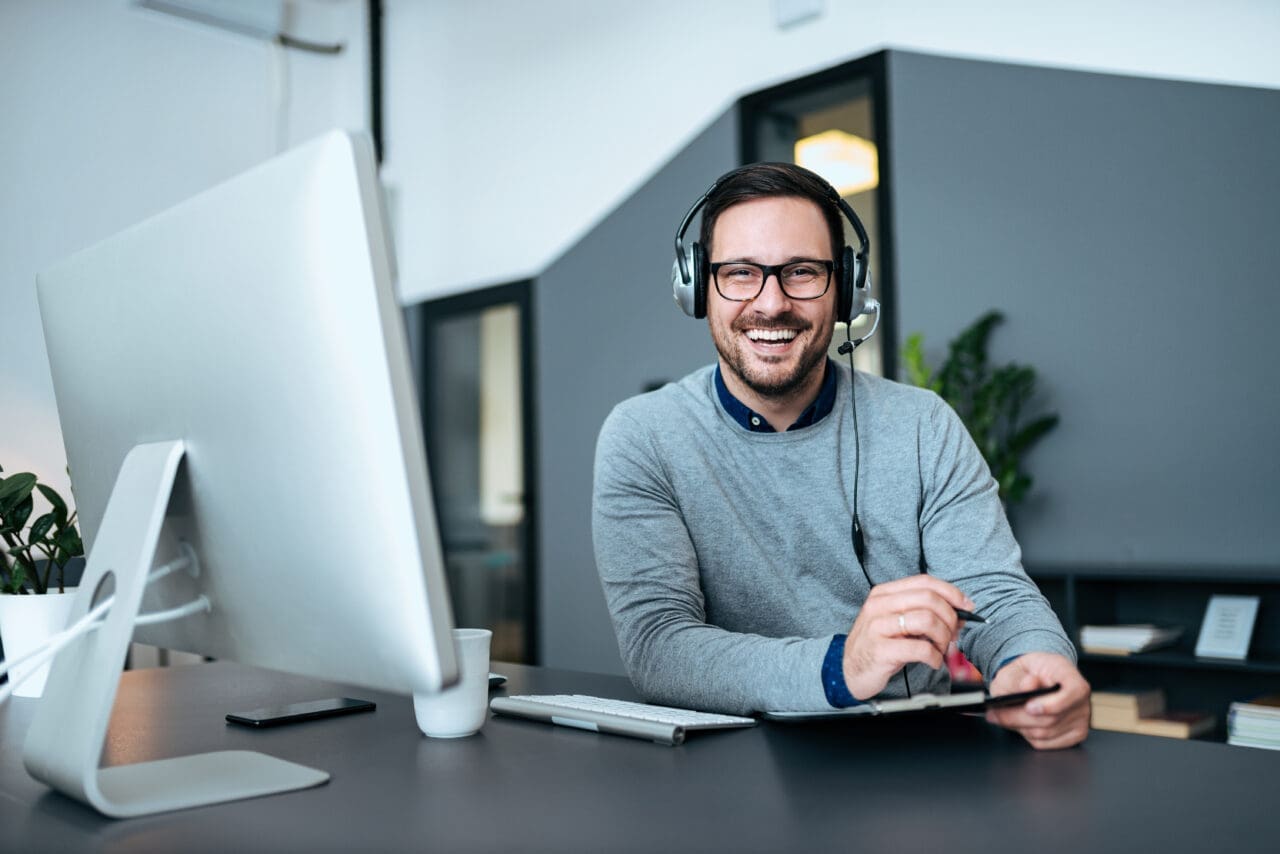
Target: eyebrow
(750,260)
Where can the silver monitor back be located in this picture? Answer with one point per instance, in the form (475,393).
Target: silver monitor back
(257,323)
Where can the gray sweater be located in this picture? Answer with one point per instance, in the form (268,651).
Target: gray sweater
(726,557)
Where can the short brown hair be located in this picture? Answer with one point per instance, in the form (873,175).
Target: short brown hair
(772,180)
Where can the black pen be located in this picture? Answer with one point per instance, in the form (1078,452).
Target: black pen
(969,616)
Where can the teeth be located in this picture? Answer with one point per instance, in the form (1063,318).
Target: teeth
(771,334)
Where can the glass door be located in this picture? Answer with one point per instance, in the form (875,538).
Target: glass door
(474,352)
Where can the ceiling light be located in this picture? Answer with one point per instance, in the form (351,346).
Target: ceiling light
(850,163)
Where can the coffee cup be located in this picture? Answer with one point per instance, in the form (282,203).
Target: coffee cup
(461,709)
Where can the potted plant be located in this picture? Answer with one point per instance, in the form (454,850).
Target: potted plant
(990,401)
(34,599)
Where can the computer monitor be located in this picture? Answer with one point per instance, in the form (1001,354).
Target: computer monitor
(233,382)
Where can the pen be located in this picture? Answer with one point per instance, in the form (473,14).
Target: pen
(969,616)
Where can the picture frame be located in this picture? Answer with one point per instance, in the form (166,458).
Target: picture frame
(1228,627)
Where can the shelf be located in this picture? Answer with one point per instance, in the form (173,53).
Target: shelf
(1116,595)
(1184,660)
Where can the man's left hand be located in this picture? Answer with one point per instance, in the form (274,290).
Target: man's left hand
(1052,721)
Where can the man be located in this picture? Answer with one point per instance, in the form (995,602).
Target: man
(723,504)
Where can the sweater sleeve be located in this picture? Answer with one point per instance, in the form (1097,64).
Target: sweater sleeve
(649,570)
(967,540)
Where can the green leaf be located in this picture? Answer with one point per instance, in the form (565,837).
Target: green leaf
(918,373)
(17,516)
(55,501)
(40,527)
(14,490)
(68,539)
(19,579)
(1032,433)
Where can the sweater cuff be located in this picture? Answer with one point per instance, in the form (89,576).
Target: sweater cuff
(833,676)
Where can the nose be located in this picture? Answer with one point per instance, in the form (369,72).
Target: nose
(772,299)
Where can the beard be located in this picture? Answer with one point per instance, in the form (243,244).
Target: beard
(777,377)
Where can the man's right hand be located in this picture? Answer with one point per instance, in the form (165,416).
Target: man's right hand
(903,621)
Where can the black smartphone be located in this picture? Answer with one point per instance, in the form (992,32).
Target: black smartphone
(293,712)
(1020,697)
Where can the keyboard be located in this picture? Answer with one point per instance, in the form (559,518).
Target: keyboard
(662,724)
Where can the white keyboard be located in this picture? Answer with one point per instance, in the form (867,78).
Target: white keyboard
(662,724)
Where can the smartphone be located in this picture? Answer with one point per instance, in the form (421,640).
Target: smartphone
(294,712)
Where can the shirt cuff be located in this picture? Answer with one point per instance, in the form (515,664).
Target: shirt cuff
(833,676)
(1001,665)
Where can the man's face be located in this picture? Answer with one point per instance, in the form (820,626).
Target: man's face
(773,343)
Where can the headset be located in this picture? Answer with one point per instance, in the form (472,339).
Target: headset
(691,270)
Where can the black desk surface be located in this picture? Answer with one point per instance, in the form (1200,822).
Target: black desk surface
(924,784)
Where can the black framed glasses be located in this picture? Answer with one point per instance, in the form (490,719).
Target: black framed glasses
(742,281)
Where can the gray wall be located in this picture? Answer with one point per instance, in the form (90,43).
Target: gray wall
(606,326)
(1128,229)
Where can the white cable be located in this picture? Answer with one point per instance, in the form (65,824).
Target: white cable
(92,621)
(81,626)
(195,606)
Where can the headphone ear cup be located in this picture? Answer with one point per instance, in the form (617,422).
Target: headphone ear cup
(701,272)
(857,280)
(845,285)
(684,292)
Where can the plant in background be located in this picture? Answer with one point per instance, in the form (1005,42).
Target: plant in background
(990,401)
(32,559)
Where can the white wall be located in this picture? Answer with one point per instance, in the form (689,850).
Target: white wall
(515,126)
(112,113)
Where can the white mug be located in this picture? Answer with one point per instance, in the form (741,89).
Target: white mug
(460,710)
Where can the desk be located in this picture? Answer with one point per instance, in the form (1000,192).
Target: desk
(942,784)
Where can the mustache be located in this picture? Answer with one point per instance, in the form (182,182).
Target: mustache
(782,321)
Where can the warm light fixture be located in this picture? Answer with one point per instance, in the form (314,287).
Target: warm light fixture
(849,162)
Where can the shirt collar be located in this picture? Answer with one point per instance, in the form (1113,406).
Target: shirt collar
(756,423)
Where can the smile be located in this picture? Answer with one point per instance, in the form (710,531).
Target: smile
(771,334)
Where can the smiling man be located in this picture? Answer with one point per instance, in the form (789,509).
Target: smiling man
(723,503)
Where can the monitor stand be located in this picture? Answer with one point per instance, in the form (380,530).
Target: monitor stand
(64,744)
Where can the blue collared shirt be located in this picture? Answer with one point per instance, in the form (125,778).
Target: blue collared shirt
(756,423)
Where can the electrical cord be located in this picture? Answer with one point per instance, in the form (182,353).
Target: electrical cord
(859,543)
(93,621)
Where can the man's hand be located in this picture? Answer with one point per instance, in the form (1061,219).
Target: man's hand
(1056,720)
(911,619)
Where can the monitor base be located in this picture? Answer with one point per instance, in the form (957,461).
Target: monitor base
(65,742)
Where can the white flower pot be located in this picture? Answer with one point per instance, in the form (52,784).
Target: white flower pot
(26,622)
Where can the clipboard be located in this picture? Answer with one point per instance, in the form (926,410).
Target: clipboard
(966,701)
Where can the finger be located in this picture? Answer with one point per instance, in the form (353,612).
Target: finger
(898,653)
(1017,717)
(1040,725)
(919,623)
(948,591)
(1056,729)
(915,600)
(1067,697)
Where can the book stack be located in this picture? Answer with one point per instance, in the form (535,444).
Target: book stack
(1255,723)
(1128,638)
(1142,711)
